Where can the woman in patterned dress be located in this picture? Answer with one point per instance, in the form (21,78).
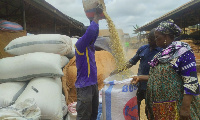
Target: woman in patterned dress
(173,89)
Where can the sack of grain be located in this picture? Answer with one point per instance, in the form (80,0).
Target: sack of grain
(49,43)
(64,105)
(10,26)
(25,110)
(89,7)
(10,91)
(72,53)
(119,101)
(32,65)
(47,93)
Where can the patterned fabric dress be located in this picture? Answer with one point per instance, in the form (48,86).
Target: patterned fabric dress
(172,75)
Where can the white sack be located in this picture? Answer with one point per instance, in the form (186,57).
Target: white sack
(72,53)
(119,101)
(50,43)
(26,110)
(47,94)
(32,65)
(89,7)
(64,106)
(10,91)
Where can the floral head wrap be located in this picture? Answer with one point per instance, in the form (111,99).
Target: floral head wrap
(168,27)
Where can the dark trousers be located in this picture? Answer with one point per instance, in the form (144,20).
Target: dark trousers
(141,94)
(87,103)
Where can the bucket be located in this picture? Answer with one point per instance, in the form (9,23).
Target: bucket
(119,101)
(89,8)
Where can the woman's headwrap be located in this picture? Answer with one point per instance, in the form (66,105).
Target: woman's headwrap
(168,27)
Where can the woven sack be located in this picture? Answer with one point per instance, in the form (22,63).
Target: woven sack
(49,43)
(89,7)
(25,110)
(10,91)
(10,26)
(47,93)
(119,101)
(28,66)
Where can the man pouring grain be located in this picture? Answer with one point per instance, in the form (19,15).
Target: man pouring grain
(86,83)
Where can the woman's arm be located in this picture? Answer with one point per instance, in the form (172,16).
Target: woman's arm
(136,79)
(187,67)
(185,108)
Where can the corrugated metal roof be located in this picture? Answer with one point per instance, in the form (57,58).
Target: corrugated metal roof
(177,15)
(54,11)
(39,17)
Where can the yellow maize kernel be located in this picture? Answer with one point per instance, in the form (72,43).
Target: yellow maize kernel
(116,47)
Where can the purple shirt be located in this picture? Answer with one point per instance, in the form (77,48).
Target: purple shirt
(85,57)
(185,66)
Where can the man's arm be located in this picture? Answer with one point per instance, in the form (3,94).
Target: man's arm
(88,37)
(128,65)
(125,67)
(91,32)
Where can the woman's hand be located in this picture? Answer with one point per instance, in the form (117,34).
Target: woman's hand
(185,113)
(185,107)
(135,80)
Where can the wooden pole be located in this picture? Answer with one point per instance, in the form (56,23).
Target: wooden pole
(55,25)
(23,14)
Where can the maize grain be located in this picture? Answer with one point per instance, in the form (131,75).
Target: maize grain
(117,49)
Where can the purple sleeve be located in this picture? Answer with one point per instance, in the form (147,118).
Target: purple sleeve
(89,36)
(186,67)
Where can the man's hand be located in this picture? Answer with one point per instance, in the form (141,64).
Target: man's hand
(99,9)
(98,12)
(114,72)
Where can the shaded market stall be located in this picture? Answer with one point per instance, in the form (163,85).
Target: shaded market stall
(38,16)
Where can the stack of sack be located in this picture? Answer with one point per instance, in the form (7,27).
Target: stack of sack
(30,82)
